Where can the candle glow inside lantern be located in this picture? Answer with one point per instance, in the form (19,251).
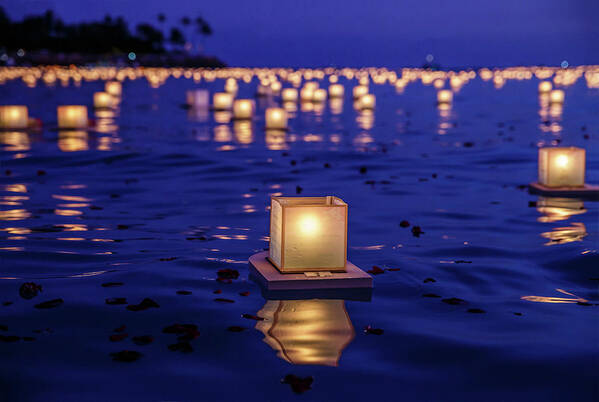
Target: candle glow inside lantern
(289,95)
(222,101)
(276,118)
(243,109)
(444,97)
(367,101)
(103,100)
(197,98)
(319,95)
(308,234)
(114,88)
(72,117)
(561,167)
(336,91)
(14,117)
(307,94)
(556,96)
(359,91)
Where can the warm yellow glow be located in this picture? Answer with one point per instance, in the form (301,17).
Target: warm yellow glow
(289,95)
(197,98)
(359,91)
(556,96)
(562,160)
(276,118)
(114,88)
(444,96)
(336,91)
(545,87)
(562,167)
(367,101)
(309,225)
(72,116)
(222,101)
(243,109)
(102,100)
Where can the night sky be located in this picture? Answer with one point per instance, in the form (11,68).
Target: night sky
(390,33)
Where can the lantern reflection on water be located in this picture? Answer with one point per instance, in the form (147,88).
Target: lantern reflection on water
(15,141)
(72,140)
(556,209)
(243,131)
(568,234)
(276,140)
(307,331)
(14,117)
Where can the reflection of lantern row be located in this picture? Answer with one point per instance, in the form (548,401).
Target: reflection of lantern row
(561,167)
(72,117)
(14,117)
(307,331)
(308,234)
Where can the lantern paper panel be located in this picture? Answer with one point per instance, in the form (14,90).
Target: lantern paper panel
(561,167)
(14,117)
(308,234)
(72,116)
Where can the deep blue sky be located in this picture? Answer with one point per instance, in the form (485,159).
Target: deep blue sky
(367,32)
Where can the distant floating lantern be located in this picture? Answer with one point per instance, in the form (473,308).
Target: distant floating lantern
(310,331)
(308,234)
(444,96)
(336,91)
(197,98)
(14,117)
(359,91)
(545,87)
(276,118)
(103,100)
(561,172)
(367,102)
(307,94)
(319,96)
(243,109)
(275,87)
(231,86)
(72,117)
(438,83)
(114,88)
(222,101)
(289,95)
(556,96)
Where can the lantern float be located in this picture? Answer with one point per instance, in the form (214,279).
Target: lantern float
(14,117)
(222,101)
(545,87)
(114,88)
(444,97)
(556,97)
(243,109)
(289,95)
(561,172)
(276,118)
(308,247)
(367,102)
(72,117)
(336,91)
(103,100)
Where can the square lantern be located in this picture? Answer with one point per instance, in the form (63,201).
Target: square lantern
(243,108)
(14,117)
(276,118)
(561,167)
(222,101)
(114,88)
(72,117)
(103,100)
(308,234)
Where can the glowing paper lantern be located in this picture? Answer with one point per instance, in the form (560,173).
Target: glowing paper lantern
(14,117)
(367,101)
(243,109)
(306,331)
(197,98)
(222,101)
(72,117)
(561,167)
(308,234)
(545,87)
(289,95)
(444,97)
(276,118)
(359,91)
(103,100)
(307,94)
(114,88)
(336,91)
(556,96)
(320,95)
(231,86)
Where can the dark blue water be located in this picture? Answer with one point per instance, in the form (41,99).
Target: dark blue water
(167,198)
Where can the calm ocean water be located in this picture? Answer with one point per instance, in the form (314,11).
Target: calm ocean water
(165,197)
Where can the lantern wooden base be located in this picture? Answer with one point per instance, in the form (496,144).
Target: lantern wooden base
(588,191)
(262,271)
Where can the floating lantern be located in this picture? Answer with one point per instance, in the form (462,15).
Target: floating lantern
(561,167)
(556,96)
(114,88)
(359,91)
(306,331)
(197,98)
(231,86)
(444,96)
(103,100)
(367,101)
(276,118)
(289,95)
(438,83)
(72,117)
(308,234)
(336,91)
(243,109)
(307,94)
(336,105)
(275,87)
(222,101)
(545,87)
(319,95)
(14,117)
